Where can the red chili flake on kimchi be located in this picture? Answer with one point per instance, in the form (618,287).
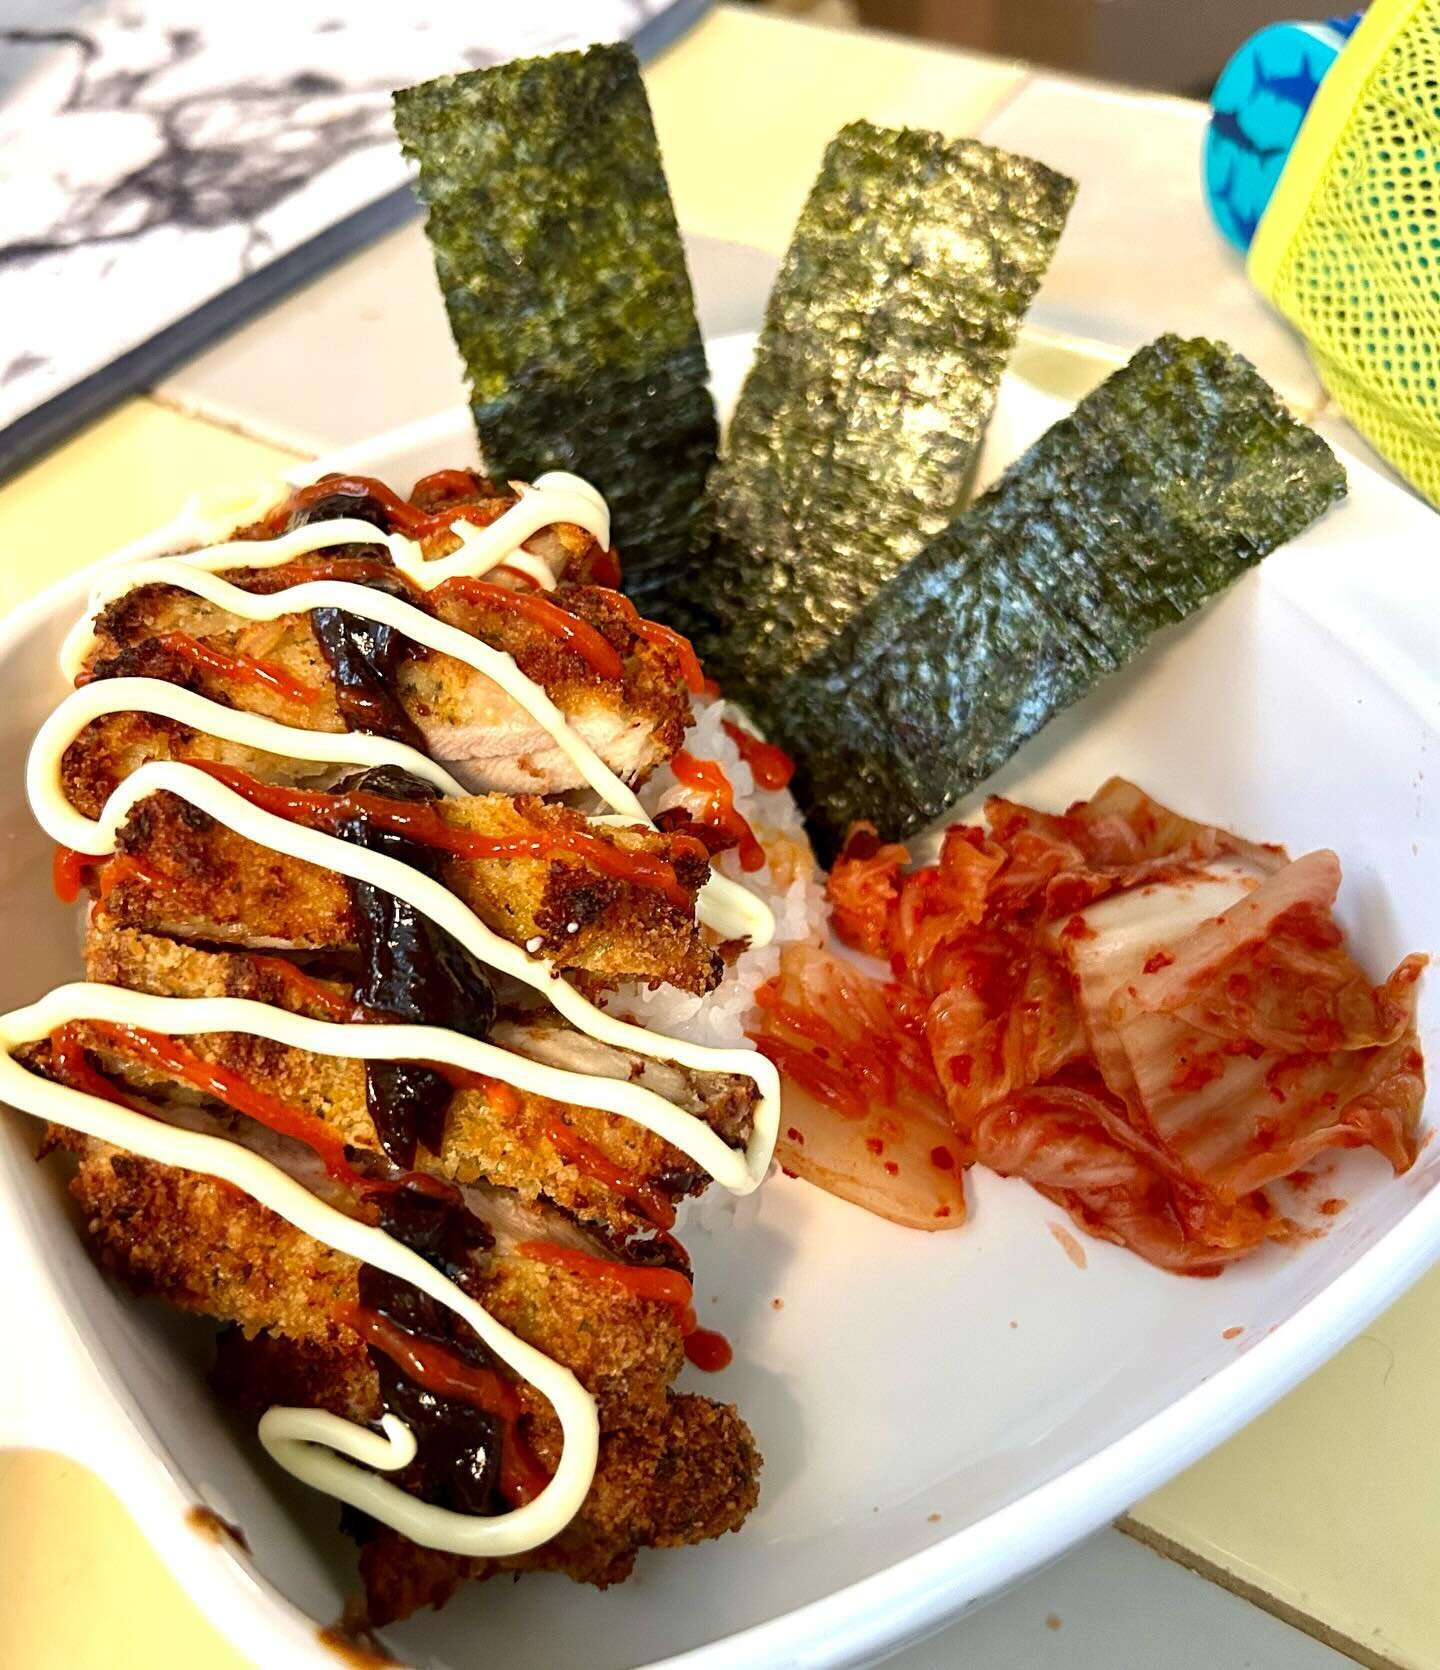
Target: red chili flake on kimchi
(1195,1068)
(1149,1019)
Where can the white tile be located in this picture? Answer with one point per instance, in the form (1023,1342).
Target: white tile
(367,346)
(362,348)
(1140,255)
(1116,1605)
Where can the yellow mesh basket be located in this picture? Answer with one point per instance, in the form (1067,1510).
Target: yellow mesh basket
(1349,246)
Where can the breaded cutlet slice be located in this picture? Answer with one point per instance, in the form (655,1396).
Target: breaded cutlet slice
(510,1138)
(208,1248)
(686,1474)
(634,721)
(169,967)
(672,1469)
(194,878)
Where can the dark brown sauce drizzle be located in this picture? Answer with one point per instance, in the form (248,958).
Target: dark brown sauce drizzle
(364,655)
(411,970)
(457,1464)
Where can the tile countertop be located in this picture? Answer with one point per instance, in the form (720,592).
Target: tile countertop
(1323,1510)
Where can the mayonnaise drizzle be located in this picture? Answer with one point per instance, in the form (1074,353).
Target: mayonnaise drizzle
(554,497)
(312,1444)
(189,707)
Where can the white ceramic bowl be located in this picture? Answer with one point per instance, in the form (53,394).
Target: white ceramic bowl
(939,1414)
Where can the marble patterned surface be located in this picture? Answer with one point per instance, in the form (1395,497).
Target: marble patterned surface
(154,153)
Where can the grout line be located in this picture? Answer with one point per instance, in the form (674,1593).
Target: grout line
(1212,1571)
(197,412)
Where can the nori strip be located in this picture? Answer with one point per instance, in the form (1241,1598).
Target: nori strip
(1165,484)
(560,261)
(885,337)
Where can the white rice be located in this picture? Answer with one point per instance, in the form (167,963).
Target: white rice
(790,882)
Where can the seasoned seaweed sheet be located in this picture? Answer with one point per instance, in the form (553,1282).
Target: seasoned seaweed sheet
(885,338)
(564,277)
(1165,484)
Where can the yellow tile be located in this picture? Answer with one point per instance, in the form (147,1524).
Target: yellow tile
(1330,1502)
(80,1588)
(746,103)
(124,475)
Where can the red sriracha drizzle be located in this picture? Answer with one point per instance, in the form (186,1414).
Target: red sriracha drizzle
(174,1059)
(504,1099)
(169,1056)
(403,516)
(720,810)
(421,822)
(68,867)
(708,1350)
(522,1478)
(121,868)
(665,637)
(705,1348)
(234,665)
(573,632)
(652,632)
(650,1201)
(358,569)
(445,484)
(304,990)
(604,568)
(68,1057)
(67,872)
(771,767)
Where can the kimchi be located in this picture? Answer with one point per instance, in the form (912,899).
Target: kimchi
(1149,1019)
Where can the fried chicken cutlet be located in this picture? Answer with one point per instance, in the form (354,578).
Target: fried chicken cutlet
(616,909)
(548,1210)
(674,1468)
(611,1174)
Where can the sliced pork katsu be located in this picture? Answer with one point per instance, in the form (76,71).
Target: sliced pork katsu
(530,1162)
(612,1175)
(610,904)
(310,1329)
(619,681)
